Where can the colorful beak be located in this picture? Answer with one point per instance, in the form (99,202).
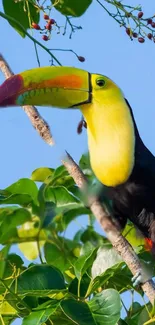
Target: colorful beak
(62,87)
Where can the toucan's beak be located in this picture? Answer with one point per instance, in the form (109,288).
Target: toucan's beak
(48,86)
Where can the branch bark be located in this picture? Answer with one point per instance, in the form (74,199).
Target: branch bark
(106,222)
(36,120)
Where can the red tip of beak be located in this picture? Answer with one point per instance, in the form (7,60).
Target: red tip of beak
(9,90)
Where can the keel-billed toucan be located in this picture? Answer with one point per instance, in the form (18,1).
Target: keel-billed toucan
(118,156)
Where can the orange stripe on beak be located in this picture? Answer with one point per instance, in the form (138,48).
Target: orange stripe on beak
(69,81)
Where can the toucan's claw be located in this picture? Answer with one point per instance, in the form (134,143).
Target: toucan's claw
(144,274)
(137,278)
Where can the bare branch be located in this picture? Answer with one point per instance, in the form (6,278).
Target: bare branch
(36,120)
(121,245)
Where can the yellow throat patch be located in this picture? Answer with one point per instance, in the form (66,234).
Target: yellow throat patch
(111,137)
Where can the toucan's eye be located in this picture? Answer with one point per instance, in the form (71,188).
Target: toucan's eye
(100,82)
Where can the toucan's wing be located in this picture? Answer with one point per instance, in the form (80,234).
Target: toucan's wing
(143,156)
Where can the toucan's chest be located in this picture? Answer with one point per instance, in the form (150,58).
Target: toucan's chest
(111,140)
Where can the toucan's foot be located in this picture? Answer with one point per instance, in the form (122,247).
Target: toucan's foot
(144,274)
(137,279)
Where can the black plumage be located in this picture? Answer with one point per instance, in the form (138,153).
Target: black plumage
(135,199)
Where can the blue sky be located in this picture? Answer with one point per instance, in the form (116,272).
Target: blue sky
(108,51)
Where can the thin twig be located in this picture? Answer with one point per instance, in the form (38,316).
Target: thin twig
(37,56)
(121,245)
(36,120)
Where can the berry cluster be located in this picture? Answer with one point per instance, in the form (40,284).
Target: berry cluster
(141,35)
(46,32)
(47,28)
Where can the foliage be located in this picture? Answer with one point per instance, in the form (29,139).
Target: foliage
(54,279)
(68,281)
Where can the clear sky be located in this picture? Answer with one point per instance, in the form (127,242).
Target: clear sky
(108,51)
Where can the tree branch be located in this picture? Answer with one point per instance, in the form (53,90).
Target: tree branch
(121,245)
(36,120)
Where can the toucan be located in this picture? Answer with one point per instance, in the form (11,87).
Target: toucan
(118,156)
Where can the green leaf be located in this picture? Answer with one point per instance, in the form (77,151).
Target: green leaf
(9,319)
(20,199)
(12,264)
(30,249)
(3,258)
(118,277)
(24,12)
(66,181)
(60,196)
(39,280)
(14,259)
(84,262)
(122,322)
(16,216)
(60,172)
(61,177)
(41,174)
(49,213)
(11,221)
(106,307)
(90,235)
(130,233)
(84,162)
(23,186)
(78,312)
(59,318)
(71,215)
(58,257)
(5,308)
(39,317)
(31,301)
(105,259)
(81,288)
(140,314)
(74,8)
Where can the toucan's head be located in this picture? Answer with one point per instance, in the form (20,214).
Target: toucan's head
(63,87)
(110,128)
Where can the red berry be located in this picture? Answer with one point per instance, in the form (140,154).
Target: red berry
(153,24)
(135,35)
(128,31)
(81,58)
(35,26)
(79,127)
(45,37)
(149,35)
(149,21)
(141,40)
(140,14)
(51,21)
(48,26)
(46,17)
